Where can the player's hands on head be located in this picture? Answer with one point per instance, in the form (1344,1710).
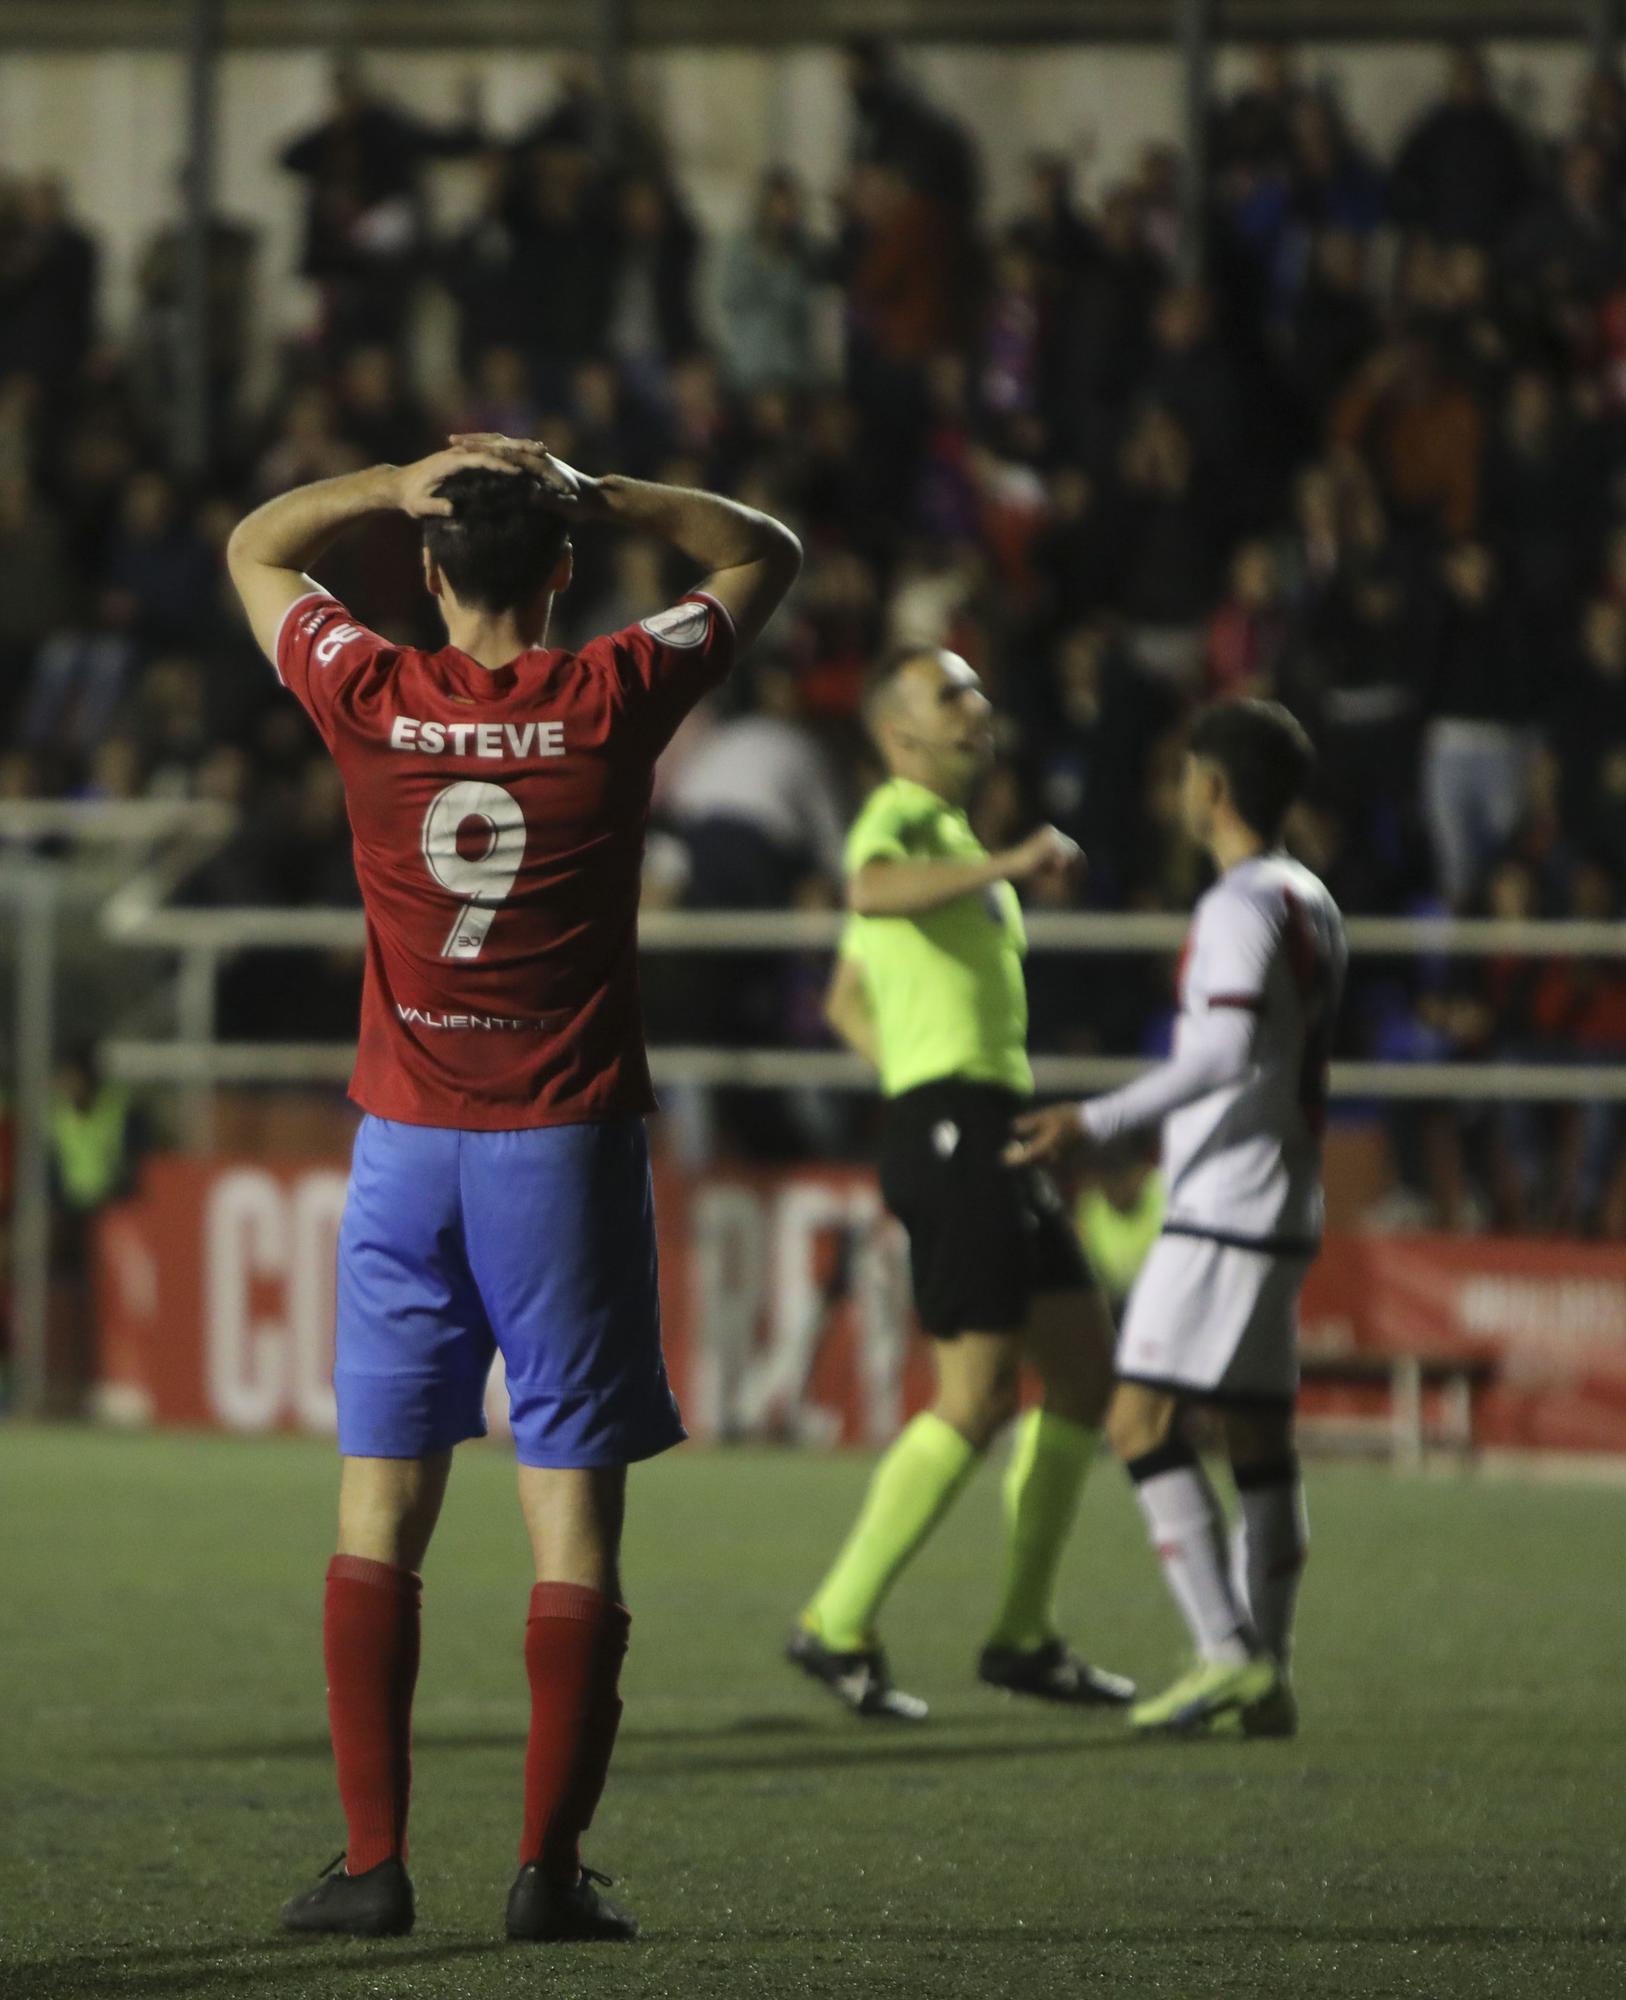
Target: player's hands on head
(1041,1137)
(571,491)
(417,485)
(1046,857)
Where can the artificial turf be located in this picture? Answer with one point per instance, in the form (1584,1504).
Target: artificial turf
(1450,1822)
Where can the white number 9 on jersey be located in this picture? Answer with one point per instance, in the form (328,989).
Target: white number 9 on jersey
(479,881)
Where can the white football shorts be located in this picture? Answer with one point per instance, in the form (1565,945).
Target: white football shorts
(1214,1319)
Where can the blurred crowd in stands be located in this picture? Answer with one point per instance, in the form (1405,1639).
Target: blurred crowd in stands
(1371,460)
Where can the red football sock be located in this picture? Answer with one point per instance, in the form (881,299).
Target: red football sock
(575,1641)
(370,1627)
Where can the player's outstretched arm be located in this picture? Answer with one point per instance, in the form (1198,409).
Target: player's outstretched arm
(751,558)
(1216,1050)
(271,549)
(894,888)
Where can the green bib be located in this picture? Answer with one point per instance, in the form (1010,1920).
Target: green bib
(1118,1241)
(89,1146)
(946,988)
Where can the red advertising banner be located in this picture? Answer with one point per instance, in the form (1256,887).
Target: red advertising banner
(785,1297)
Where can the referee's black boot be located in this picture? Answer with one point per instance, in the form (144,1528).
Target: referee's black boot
(859,1680)
(376,1904)
(1053,1672)
(544,1911)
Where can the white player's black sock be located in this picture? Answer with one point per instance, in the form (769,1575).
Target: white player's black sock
(1183,1519)
(1268,1549)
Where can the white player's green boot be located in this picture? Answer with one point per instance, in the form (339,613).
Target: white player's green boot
(1213,1689)
(1274,1714)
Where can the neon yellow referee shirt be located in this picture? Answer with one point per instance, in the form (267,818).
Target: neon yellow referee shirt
(946,988)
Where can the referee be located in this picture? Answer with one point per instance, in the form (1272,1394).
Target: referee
(929,988)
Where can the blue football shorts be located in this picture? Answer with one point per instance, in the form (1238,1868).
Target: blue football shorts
(540,1244)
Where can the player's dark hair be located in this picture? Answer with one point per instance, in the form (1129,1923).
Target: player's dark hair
(500,543)
(1264,753)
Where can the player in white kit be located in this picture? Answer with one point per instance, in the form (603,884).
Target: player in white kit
(1213,1317)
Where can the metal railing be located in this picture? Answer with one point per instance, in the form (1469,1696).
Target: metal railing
(204,939)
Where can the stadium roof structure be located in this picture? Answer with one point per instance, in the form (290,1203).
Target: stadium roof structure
(84,24)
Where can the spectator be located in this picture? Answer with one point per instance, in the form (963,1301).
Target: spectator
(1104,337)
(160,327)
(20,426)
(1159,185)
(1247,634)
(1590,731)
(1092,733)
(1015,335)
(1354,670)
(768,285)
(172,739)
(1075,553)
(306,446)
(491,281)
(1567,243)
(1173,546)
(1541,502)
(609,431)
(1474,748)
(74,691)
(1424,432)
(500,396)
(96,1141)
(901,290)
(903,309)
(894,127)
(36,586)
(550,257)
(1601,122)
(699,417)
(377,413)
(1255,129)
(1334,325)
(160,573)
(1463,171)
(763,823)
(1049,226)
(651,319)
(1334,182)
(838,628)
(1189,373)
(758,806)
(365,226)
(49,270)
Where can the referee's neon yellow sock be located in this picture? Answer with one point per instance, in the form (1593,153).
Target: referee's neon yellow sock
(1043,1482)
(910,1492)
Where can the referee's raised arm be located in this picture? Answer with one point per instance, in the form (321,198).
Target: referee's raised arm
(912,888)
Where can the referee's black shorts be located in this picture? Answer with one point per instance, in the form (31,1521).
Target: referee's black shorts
(984,1238)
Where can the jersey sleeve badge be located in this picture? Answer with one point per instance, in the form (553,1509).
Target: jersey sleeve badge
(684,626)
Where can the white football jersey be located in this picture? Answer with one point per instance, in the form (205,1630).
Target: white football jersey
(1243,1098)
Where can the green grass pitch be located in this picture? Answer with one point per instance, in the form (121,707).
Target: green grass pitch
(1449,1823)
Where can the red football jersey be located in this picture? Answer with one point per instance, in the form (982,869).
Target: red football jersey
(498,823)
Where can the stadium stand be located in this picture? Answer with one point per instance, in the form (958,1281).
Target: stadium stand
(1371,462)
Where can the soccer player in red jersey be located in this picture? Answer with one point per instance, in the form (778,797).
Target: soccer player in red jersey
(500,1191)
